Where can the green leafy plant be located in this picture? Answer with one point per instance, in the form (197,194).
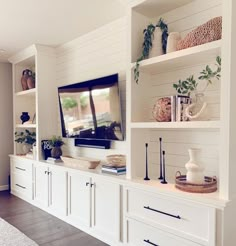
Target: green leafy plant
(69,102)
(56,141)
(190,84)
(147,43)
(25,137)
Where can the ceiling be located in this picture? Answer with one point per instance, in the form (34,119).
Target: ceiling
(51,22)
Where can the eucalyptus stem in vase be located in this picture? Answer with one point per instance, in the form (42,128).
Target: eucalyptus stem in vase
(190,85)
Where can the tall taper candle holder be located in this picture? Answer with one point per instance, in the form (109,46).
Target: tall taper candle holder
(146,177)
(160,141)
(164,168)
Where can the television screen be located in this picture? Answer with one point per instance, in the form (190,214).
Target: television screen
(91,109)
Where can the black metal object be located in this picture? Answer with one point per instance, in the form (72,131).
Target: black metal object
(146,177)
(87,183)
(164,168)
(161,212)
(22,169)
(149,242)
(21,186)
(160,141)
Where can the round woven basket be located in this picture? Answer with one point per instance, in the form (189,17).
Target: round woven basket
(116,160)
(209,185)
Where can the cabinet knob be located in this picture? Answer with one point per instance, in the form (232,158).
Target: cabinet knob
(87,183)
(46,172)
(91,185)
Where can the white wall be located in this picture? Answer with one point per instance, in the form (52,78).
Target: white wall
(96,54)
(6,142)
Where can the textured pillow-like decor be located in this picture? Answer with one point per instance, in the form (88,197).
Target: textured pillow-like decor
(208,32)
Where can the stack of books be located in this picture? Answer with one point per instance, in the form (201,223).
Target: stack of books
(114,170)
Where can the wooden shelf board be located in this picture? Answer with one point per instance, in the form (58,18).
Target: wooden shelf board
(177,125)
(30,92)
(153,8)
(26,126)
(182,58)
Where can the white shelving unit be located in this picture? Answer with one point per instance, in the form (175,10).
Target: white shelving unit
(215,136)
(41,101)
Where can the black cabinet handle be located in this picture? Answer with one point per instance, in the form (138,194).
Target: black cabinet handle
(149,242)
(22,169)
(46,172)
(87,183)
(91,185)
(158,211)
(21,186)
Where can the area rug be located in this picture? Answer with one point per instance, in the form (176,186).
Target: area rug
(10,236)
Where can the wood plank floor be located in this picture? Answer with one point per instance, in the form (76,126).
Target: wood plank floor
(41,227)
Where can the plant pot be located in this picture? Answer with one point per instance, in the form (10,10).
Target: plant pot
(56,152)
(26,148)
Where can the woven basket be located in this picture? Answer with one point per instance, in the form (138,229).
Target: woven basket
(210,184)
(116,160)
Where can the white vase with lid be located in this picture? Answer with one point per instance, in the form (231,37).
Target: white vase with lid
(156,49)
(195,173)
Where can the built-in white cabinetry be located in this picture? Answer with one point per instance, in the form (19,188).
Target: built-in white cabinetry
(94,202)
(79,197)
(50,188)
(21,177)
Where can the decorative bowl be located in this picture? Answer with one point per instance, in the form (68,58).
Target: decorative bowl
(81,162)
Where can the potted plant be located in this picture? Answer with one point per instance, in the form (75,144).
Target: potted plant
(190,85)
(147,43)
(27,138)
(56,142)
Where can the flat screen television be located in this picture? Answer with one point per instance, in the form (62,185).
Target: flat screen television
(91,109)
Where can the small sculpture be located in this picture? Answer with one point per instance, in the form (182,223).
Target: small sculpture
(24,117)
(164,168)
(161,158)
(146,177)
(25,75)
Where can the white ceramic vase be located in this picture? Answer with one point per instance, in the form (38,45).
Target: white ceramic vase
(26,148)
(195,173)
(173,39)
(156,49)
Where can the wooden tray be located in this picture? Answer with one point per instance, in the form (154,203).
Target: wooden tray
(210,184)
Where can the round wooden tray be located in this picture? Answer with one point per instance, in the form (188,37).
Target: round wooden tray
(210,184)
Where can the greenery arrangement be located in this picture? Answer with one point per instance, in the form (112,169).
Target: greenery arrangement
(25,137)
(56,141)
(190,84)
(147,43)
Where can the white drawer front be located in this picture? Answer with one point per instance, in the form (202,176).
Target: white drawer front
(22,167)
(140,234)
(22,184)
(190,220)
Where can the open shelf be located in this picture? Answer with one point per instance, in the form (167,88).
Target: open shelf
(177,125)
(152,8)
(30,92)
(26,126)
(183,58)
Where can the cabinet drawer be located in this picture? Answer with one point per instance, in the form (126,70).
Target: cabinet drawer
(140,234)
(22,167)
(22,184)
(190,220)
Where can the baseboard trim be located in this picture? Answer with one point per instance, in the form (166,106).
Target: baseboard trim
(4,187)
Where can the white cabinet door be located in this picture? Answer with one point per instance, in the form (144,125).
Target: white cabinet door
(58,190)
(106,208)
(41,182)
(79,199)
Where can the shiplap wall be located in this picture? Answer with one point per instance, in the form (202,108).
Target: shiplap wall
(96,54)
(151,87)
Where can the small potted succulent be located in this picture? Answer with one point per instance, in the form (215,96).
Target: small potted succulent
(27,138)
(56,142)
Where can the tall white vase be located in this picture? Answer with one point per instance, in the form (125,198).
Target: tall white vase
(173,39)
(156,49)
(195,173)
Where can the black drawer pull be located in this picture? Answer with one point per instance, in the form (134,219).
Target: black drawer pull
(21,186)
(171,215)
(149,242)
(22,169)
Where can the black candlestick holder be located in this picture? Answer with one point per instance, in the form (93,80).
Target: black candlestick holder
(146,177)
(164,168)
(160,141)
